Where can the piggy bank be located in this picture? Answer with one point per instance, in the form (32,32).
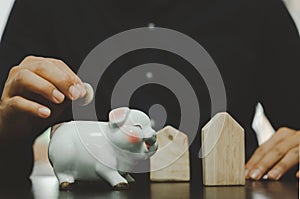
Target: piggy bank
(92,150)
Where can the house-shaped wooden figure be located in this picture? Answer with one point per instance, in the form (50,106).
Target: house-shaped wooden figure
(171,162)
(223,151)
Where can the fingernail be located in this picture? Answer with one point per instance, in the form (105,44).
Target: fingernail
(74,92)
(58,95)
(274,174)
(265,177)
(255,173)
(82,89)
(45,112)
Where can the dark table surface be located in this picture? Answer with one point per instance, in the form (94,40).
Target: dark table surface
(45,186)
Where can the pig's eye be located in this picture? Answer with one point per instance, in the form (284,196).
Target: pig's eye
(138,125)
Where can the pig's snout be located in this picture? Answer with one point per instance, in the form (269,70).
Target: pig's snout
(151,144)
(150,141)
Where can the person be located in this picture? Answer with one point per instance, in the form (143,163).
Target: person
(255,45)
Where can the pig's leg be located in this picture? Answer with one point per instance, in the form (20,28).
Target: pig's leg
(65,180)
(62,156)
(129,178)
(112,177)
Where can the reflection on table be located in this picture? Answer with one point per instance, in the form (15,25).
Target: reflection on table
(46,186)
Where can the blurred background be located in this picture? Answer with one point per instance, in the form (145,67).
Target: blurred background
(41,144)
(5,6)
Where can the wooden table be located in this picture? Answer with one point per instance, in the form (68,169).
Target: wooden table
(45,186)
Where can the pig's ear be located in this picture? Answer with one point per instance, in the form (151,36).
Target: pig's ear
(118,116)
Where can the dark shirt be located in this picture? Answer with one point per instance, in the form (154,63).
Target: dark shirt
(254,44)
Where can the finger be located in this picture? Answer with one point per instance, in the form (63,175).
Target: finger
(297,174)
(273,156)
(28,80)
(30,59)
(67,84)
(65,68)
(23,105)
(256,158)
(287,162)
(280,136)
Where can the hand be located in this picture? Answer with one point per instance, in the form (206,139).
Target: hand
(275,156)
(36,92)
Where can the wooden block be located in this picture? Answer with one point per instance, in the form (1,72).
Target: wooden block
(171,162)
(223,151)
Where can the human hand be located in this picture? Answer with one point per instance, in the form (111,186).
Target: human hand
(36,92)
(276,156)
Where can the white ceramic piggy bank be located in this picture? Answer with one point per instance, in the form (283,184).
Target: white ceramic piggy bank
(87,150)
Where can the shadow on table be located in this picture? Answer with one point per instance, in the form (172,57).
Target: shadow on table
(273,189)
(45,186)
(225,192)
(170,190)
(48,187)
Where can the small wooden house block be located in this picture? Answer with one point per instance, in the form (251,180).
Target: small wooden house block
(171,161)
(223,151)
